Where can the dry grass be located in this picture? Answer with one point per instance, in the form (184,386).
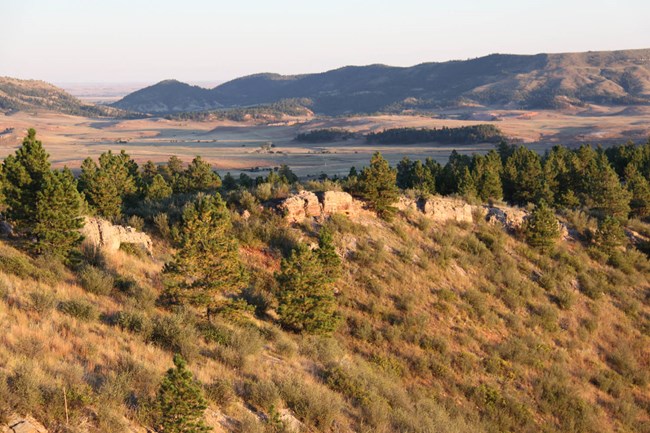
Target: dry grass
(452,328)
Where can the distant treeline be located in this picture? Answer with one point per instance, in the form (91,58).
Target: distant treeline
(462,135)
(325,135)
(276,110)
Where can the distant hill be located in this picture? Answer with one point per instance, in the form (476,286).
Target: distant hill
(18,94)
(169,96)
(513,81)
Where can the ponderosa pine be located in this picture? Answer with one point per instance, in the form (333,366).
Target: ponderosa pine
(181,401)
(207,262)
(378,186)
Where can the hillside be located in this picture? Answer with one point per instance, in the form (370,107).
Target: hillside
(34,95)
(434,336)
(379,302)
(499,80)
(167,97)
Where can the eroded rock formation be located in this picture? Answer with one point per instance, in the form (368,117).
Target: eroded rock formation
(102,234)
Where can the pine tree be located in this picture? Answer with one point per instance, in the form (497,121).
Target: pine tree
(306,300)
(404,177)
(639,187)
(107,185)
(158,189)
(603,192)
(58,215)
(523,177)
(287,175)
(558,164)
(467,184)
(24,175)
(424,181)
(328,256)
(181,401)
(378,186)
(148,172)
(487,174)
(541,228)
(229,183)
(610,235)
(198,176)
(449,179)
(207,261)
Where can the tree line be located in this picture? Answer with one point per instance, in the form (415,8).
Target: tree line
(484,133)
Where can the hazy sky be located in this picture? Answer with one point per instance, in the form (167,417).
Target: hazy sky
(197,40)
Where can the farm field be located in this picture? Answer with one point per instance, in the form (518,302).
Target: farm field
(251,146)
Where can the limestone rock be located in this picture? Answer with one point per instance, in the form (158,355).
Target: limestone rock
(300,206)
(337,202)
(442,209)
(510,217)
(406,203)
(25,425)
(102,234)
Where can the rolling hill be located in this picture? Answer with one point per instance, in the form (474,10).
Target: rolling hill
(27,95)
(500,80)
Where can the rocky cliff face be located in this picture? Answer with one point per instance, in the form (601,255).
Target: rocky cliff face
(102,234)
(307,204)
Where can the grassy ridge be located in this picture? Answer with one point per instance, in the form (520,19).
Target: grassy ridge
(453,328)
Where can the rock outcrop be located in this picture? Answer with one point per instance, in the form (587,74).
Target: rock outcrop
(510,218)
(24,425)
(513,219)
(337,202)
(442,209)
(306,204)
(102,234)
(300,206)
(439,209)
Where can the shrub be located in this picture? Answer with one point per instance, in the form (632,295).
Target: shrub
(478,302)
(96,281)
(262,394)
(79,309)
(133,250)
(141,296)
(591,284)
(134,321)
(43,301)
(161,221)
(220,391)
(557,398)
(314,404)
(623,361)
(175,335)
(136,222)
(22,267)
(609,382)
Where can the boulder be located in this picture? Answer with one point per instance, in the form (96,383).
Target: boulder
(102,234)
(337,202)
(300,206)
(444,209)
(509,217)
(25,425)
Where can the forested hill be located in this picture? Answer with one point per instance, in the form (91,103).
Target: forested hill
(530,81)
(18,94)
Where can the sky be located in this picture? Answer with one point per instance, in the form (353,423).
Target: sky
(92,41)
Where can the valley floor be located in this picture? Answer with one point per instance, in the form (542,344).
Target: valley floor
(237,146)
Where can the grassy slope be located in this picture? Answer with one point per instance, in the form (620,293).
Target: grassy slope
(446,328)
(29,95)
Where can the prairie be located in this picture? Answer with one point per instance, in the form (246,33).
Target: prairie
(238,146)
